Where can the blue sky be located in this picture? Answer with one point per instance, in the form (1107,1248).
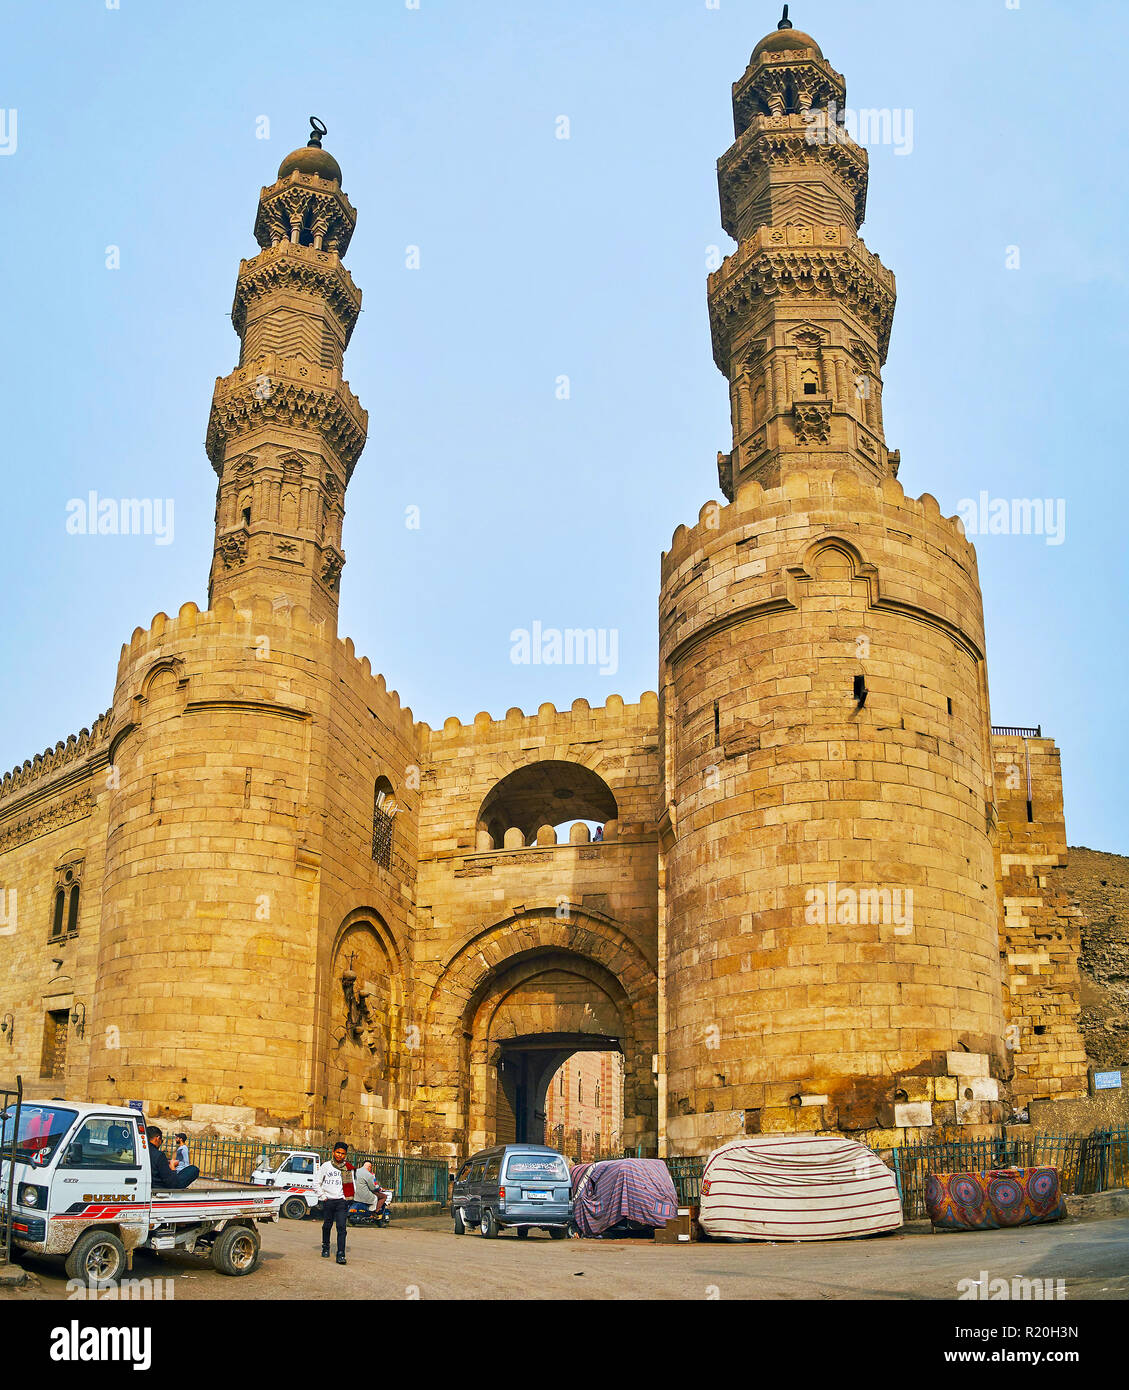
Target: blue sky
(540,257)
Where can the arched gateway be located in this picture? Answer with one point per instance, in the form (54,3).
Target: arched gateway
(524,995)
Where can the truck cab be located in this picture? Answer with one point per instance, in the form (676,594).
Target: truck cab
(295,1171)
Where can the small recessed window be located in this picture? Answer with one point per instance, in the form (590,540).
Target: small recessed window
(246,516)
(809,388)
(949,702)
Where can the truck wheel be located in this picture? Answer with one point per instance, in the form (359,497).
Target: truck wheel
(460,1224)
(236,1250)
(97,1257)
(523,1233)
(489,1224)
(294,1208)
(558,1232)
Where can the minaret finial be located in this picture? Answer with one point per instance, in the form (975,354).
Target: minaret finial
(785,22)
(317,128)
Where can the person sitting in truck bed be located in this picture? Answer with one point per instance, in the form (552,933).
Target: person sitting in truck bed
(163,1175)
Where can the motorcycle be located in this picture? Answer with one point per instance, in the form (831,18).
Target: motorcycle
(379,1214)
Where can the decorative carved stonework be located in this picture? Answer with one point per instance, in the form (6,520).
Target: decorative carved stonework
(725,474)
(232,548)
(302,398)
(333,563)
(294,205)
(287,269)
(64,812)
(811,422)
(848,275)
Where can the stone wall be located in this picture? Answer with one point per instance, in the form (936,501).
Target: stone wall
(1099,883)
(1040,925)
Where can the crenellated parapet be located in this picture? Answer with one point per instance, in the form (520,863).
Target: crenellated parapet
(66,754)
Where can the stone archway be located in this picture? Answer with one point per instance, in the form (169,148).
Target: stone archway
(535,987)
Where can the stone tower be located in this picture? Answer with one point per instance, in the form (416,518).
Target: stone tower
(285,430)
(828,913)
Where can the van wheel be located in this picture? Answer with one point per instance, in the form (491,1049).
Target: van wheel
(523,1233)
(488,1225)
(97,1257)
(460,1224)
(294,1208)
(236,1250)
(558,1232)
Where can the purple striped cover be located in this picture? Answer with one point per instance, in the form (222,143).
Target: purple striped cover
(639,1190)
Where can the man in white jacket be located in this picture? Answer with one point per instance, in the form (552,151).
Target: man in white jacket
(333,1183)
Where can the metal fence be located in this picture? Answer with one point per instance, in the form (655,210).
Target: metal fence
(411,1179)
(1086,1163)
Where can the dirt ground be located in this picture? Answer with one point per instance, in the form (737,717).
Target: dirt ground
(421,1258)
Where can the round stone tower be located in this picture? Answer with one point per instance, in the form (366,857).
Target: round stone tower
(828,901)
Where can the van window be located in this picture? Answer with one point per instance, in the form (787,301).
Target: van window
(540,1166)
(475,1174)
(493,1168)
(463,1173)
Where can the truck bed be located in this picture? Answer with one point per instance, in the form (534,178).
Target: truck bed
(197,1203)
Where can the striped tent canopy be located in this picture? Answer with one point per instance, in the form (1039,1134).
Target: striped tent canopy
(797,1187)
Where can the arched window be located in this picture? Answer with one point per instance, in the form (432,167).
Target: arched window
(383,811)
(552,793)
(65,900)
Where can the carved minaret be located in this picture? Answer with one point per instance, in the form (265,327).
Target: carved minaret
(801,313)
(285,430)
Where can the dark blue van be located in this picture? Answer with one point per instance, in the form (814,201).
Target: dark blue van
(518,1185)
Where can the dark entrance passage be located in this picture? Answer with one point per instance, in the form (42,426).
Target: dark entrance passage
(525,1068)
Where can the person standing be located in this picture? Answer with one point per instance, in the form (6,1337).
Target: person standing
(333,1183)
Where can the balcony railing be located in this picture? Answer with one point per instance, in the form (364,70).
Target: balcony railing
(1017,731)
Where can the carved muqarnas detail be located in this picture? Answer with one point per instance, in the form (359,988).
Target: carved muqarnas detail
(811,422)
(331,568)
(233,549)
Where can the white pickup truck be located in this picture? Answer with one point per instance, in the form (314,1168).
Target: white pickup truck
(295,1173)
(82,1189)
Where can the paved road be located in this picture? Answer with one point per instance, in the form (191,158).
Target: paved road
(423,1259)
